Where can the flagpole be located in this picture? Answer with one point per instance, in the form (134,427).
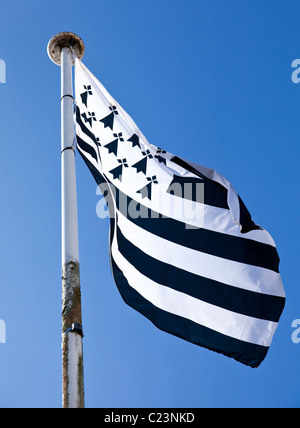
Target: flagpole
(60,52)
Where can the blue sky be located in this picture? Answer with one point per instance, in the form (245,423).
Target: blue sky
(206,80)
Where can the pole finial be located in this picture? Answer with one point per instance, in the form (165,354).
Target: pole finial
(64,40)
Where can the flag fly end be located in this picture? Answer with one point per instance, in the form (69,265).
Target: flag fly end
(62,40)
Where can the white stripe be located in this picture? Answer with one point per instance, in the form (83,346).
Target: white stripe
(228,272)
(245,328)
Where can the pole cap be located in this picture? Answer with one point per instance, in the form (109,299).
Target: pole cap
(64,40)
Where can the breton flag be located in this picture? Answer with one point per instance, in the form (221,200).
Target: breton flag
(184,250)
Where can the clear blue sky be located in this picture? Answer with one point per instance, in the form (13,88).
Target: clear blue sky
(208,80)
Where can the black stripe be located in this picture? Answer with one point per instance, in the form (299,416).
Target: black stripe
(228,247)
(86,147)
(234,299)
(190,168)
(245,219)
(215,192)
(247,353)
(211,194)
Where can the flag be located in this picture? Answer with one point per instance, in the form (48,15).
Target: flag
(184,249)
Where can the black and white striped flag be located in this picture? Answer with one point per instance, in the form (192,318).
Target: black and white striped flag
(184,250)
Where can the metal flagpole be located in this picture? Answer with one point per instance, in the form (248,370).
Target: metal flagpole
(60,51)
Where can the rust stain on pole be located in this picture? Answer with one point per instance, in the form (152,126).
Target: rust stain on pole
(71,296)
(71,314)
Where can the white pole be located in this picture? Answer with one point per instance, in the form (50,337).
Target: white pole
(71,299)
(70,248)
(59,50)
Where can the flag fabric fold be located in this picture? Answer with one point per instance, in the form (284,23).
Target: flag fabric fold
(184,249)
